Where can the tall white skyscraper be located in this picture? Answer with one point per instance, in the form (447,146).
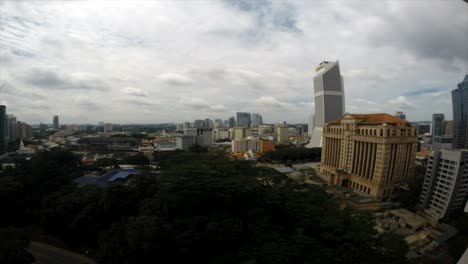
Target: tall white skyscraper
(329,99)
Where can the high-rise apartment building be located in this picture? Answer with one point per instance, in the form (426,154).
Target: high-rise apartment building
(3,129)
(369,153)
(400,115)
(438,121)
(329,98)
(232,122)
(56,124)
(256,120)
(23,130)
(243,119)
(11,126)
(282,133)
(445,187)
(460,115)
(202,136)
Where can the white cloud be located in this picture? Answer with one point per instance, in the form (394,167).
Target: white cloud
(401,103)
(134,91)
(166,55)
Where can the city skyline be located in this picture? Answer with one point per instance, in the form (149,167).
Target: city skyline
(159,62)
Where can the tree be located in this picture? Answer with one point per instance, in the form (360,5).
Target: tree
(138,159)
(14,245)
(208,209)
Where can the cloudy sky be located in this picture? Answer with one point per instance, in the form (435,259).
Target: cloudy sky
(172,61)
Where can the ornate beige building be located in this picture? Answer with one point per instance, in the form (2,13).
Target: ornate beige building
(369,153)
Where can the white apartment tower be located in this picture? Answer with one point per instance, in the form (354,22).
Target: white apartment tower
(445,187)
(328,97)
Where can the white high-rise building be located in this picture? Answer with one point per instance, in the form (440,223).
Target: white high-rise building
(445,187)
(329,99)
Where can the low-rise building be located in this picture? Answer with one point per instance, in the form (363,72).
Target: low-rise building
(184,142)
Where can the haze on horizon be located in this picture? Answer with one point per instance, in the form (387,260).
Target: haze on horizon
(175,61)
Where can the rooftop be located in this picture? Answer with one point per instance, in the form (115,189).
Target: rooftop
(110,176)
(371,118)
(424,153)
(410,218)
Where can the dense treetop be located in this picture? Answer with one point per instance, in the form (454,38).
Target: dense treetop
(200,208)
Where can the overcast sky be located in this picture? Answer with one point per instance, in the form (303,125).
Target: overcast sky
(172,61)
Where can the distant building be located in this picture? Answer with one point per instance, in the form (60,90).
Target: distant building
(108,144)
(232,122)
(56,124)
(108,127)
(328,97)
(442,142)
(23,130)
(3,130)
(221,133)
(438,121)
(265,129)
(11,127)
(239,132)
(257,146)
(257,120)
(282,133)
(243,119)
(203,136)
(445,187)
(199,123)
(184,142)
(400,115)
(43,127)
(369,153)
(423,128)
(448,128)
(460,115)
(244,145)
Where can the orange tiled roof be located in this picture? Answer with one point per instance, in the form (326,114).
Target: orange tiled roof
(424,153)
(372,118)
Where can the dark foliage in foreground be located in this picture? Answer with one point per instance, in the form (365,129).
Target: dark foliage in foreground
(292,154)
(202,208)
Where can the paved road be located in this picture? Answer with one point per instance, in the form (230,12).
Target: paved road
(47,254)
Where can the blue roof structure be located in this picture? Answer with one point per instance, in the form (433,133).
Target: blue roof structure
(108,177)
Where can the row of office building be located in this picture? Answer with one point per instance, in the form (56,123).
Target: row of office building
(11,129)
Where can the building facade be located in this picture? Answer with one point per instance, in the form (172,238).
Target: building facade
(445,187)
(23,130)
(257,120)
(239,132)
(369,153)
(282,133)
(438,121)
(3,130)
(460,115)
(448,128)
(328,97)
(232,122)
(442,142)
(108,127)
(56,124)
(243,119)
(184,142)
(11,127)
